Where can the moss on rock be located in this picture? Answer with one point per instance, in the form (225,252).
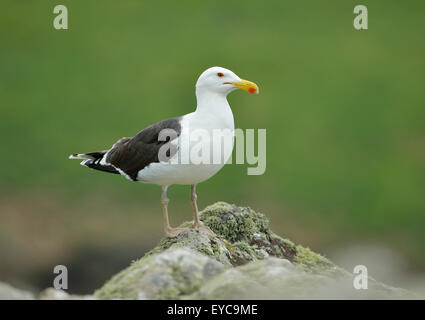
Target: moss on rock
(242,236)
(233,223)
(311,261)
(244,260)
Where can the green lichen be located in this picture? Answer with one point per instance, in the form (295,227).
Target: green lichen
(233,223)
(245,233)
(166,275)
(312,262)
(170,293)
(244,247)
(243,253)
(120,285)
(207,250)
(242,236)
(185,285)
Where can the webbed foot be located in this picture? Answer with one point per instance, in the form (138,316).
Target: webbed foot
(175,232)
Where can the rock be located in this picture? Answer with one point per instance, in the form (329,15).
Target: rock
(167,275)
(7,292)
(242,236)
(274,278)
(57,294)
(246,260)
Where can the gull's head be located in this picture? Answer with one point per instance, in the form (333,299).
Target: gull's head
(223,81)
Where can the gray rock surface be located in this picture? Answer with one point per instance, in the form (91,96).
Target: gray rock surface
(170,274)
(57,294)
(7,292)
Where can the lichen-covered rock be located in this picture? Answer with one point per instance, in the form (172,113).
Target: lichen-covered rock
(245,260)
(243,235)
(166,275)
(250,281)
(7,292)
(274,278)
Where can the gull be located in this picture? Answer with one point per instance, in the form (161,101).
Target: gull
(139,158)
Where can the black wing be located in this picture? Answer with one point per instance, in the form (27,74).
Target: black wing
(133,154)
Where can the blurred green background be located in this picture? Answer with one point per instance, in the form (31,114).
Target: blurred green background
(344,112)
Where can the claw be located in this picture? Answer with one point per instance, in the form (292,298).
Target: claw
(205,229)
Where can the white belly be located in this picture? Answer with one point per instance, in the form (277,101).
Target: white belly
(165,174)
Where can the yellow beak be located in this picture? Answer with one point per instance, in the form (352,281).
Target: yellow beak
(246,85)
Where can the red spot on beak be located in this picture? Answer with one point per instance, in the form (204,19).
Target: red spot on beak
(251,90)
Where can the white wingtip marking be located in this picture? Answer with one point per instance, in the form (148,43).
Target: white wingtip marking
(80,156)
(83,163)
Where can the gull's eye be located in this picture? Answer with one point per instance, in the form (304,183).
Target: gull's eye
(220,74)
